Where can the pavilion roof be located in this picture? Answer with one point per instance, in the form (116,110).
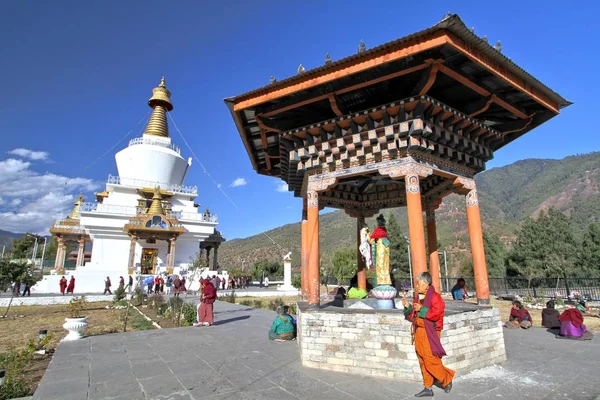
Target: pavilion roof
(453,23)
(446,62)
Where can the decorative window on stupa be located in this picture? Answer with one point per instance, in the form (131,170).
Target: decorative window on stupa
(156,222)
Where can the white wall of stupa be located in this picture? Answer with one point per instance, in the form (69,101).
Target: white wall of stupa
(148,162)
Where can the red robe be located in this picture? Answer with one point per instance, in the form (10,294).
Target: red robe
(71,287)
(63,285)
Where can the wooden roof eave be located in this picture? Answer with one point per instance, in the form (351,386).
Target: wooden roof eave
(241,131)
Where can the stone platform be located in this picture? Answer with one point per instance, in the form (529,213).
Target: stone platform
(378,342)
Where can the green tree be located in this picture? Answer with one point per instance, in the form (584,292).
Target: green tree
(270,269)
(23,247)
(495,255)
(343,264)
(544,247)
(11,272)
(398,248)
(588,262)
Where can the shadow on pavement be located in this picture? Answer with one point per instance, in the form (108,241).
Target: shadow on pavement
(226,321)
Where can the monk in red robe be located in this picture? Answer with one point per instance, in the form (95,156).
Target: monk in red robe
(63,285)
(208,295)
(427,316)
(71,287)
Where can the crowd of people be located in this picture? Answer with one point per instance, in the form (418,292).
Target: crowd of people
(569,323)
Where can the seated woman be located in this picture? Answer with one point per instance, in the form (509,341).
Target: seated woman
(519,317)
(459,290)
(282,328)
(550,316)
(572,327)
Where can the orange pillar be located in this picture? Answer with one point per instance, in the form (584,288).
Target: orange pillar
(415,225)
(432,248)
(304,252)
(312,240)
(476,236)
(360,261)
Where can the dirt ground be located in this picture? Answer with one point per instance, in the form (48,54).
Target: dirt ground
(16,331)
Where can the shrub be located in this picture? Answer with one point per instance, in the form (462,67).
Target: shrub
(230,298)
(297,280)
(273,304)
(247,303)
(120,294)
(156,301)
(188,314)
(76,306)
(138,296)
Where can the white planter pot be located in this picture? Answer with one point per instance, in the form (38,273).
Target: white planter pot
(75,326)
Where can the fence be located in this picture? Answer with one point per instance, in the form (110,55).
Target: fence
(539,288)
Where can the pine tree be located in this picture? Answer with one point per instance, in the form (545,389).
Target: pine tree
(495,255)
(588,262)
(343,264)
(398,248)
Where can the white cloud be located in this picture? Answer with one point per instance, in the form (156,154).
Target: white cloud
(32,155)
(31,201)
(281,187)
(239,182)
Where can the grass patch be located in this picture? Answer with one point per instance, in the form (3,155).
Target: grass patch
(270,303)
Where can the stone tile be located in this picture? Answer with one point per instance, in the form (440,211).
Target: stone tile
(110,389)
(60,390)
(55,375)
(152,369)
(155,387)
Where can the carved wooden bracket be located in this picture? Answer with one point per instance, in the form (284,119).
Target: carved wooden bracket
(402,170)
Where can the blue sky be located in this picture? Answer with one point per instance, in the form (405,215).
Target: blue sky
(76,79)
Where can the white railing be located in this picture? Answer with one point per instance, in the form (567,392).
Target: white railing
(117,180)
(107,209)
(145,140)
(69,228)
(131,211)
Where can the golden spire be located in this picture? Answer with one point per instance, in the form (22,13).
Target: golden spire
(156,206)
(75,212)
(160,103)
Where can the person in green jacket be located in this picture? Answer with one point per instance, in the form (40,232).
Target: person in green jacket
(282,328)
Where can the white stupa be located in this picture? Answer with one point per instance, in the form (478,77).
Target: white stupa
(144,222)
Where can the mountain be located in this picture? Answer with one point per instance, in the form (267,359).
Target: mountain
(507,195)
(6,239)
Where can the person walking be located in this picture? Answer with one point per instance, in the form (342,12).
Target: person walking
(208,295)
(427,316)
(183,288)
(162,285)
(121,283)
(156,284)
(26,289)
(71,286)
(176,286)
(63,285)
(107,286)
(129,285)
(169,284)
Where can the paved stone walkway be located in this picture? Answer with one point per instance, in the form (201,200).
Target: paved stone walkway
(234,360)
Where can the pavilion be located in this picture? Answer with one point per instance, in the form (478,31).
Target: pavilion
(403,124)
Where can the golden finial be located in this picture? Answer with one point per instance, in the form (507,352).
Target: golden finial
(156,206)
(75,212)
(161,103)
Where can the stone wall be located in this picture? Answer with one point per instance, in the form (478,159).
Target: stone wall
(378,342)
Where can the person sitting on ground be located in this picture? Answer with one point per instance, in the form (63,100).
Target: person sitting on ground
(458,291)
(550,316)
(581,306)
(572,326)
(282,328)
(519,317)
(286,311)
